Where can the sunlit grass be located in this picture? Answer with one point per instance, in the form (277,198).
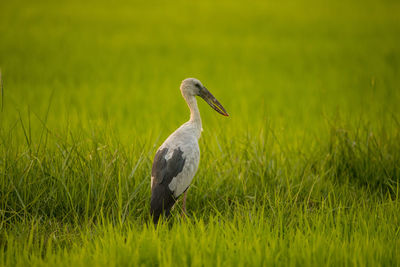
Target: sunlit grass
(305,171)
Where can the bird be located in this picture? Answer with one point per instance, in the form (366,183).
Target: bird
(177,159)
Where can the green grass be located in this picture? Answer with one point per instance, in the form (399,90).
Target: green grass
(305,171)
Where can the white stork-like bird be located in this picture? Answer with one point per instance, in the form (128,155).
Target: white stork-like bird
(177,159)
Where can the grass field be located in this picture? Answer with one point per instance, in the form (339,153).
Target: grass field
(304,172)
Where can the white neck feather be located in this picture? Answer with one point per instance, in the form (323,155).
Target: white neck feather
(195,118)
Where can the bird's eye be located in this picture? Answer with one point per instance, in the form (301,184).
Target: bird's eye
(197,85)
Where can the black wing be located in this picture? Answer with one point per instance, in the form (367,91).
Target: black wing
(163,171)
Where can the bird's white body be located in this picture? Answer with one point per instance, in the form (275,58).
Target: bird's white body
(177,159)
(186,139)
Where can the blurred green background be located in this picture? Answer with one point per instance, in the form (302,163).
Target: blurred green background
(294,63)
(305,171)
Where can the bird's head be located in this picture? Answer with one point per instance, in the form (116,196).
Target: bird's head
(192,87)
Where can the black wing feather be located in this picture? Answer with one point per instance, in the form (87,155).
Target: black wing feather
(163,171)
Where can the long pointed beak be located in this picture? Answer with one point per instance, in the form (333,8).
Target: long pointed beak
(212,101)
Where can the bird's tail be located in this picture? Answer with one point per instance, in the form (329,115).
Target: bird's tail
(162,201)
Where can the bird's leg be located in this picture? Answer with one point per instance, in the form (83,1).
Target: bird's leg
(184,204)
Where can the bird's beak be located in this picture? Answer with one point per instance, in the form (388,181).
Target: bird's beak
(212,101)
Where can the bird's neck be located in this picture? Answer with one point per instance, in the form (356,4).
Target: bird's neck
(195,118)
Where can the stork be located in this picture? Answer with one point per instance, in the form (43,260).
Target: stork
(177,159)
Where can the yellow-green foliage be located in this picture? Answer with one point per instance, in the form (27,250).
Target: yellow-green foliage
(305,171)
